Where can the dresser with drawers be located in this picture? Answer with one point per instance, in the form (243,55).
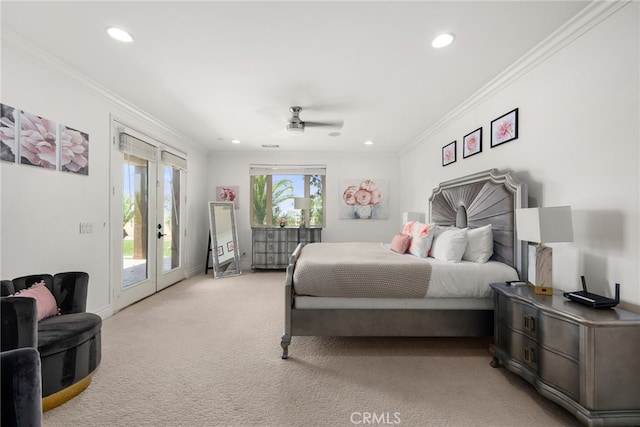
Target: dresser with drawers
(584,359)
(272,246)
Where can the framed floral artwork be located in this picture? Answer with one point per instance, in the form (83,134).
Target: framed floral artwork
(504,128)
(228,193)
(449,153)
(38,141)
(74,151)
(364,199)
(8,148)
(472,143)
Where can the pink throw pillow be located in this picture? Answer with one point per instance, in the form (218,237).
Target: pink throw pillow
(45,302)
(400,243)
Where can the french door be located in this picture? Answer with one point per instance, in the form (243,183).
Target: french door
(148,225)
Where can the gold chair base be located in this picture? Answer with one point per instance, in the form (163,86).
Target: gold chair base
(65,395)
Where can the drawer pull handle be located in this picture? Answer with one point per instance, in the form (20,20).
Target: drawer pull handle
(530,323)
(529,354)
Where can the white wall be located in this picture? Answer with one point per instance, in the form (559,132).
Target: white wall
(578,146)
(42,209)
(227,168)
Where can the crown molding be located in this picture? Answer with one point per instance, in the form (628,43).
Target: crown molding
(21,46)
(594,13)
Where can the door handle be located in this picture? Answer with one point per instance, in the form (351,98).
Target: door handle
(160,235)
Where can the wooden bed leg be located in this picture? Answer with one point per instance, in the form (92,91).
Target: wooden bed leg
(495,362)
(286,340)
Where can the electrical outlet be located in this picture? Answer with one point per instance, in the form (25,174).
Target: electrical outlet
(86,227)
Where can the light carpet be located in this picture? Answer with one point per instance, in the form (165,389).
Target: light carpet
(206,352)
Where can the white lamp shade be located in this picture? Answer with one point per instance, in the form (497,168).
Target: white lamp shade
(412,216)
(545,225)
(302,203)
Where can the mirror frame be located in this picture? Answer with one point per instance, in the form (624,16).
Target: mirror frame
(226,269)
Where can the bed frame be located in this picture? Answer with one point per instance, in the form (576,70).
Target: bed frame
(472,201)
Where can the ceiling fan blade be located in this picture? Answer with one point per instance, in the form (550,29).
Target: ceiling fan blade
(335,124)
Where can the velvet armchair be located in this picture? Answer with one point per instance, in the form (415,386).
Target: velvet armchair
(69,343)
(21,388)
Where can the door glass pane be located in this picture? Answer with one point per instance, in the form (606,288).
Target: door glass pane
(135,210)
(171,222)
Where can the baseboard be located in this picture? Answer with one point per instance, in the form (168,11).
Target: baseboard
(105,311)
(196,270)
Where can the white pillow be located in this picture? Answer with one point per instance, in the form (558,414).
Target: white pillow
(449,245)
(479,244)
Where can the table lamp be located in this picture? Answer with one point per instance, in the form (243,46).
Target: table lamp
(543,225)
(302,203)
(412,216)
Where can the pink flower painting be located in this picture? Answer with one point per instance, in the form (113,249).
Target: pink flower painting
(363,199)
(38,141)
(504,128)
(228,193)
(7,133)
(449,153)
(74,151)
(472,143)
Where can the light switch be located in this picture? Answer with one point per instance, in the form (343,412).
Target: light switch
(86,227)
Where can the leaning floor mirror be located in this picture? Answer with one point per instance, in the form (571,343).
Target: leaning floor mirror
(224,239)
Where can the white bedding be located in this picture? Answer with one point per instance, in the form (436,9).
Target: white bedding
(453,281)
(454,286)
(466,279)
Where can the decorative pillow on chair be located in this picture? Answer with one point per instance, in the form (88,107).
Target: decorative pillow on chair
(400,243)
(421,238)
(479,244)
(45,302)
(450,245)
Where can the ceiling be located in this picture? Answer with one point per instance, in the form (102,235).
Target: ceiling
(217,71)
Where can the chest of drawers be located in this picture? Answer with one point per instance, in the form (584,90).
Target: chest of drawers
(582,358)
(272,247)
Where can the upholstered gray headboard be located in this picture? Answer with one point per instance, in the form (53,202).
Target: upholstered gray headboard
(488,197)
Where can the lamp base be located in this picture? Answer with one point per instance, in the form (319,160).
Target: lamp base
(540,270)
(541,290)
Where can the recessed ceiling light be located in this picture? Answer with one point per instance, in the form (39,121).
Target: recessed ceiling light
(368,143)
(443,40)
(235,141)
(120,35)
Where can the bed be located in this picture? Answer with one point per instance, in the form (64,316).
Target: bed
(382,293)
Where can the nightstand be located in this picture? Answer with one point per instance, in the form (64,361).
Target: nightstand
(582,358)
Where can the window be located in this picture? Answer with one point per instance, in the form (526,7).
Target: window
(275,188)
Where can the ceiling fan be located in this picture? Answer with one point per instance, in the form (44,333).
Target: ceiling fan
(297,126)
